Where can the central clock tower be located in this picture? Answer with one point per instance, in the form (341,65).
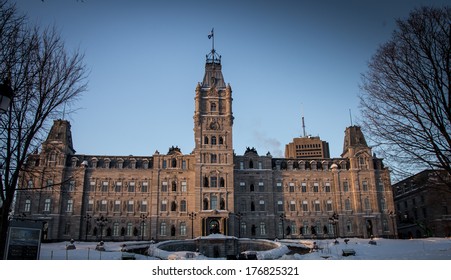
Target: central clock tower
(213,122)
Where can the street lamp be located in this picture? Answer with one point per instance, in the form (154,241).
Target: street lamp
(101,222)
(392,215)
(143,218)
(6,94)
(282,219)
(192,216)
(334,221)
(87,217)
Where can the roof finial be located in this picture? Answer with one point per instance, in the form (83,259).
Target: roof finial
(213,57)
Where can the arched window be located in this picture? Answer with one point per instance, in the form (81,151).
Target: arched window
(253,230)
(221,182)
(213,107)
(213,140)
(183,206)
(252,206)
(222,204)
(174,186)
(205,182)
(252,188)
(205,204)
(173,206)
(221,140)
(205,140)
(251,164)
(173,163)
(172,230)
(347,204)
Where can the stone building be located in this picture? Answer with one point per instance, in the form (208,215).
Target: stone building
(423,205)
(210,190)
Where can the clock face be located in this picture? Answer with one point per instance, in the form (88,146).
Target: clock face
(214,126)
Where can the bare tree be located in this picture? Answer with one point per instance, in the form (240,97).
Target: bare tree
(45,80)
(405,99)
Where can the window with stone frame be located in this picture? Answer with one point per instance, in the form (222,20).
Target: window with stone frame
(27,206)
(47,202)
(118,187)
(104,186)
(117,206)
(130,206)
(131,186)
(145,187)
(183,186)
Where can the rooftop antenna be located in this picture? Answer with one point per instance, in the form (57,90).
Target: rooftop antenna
(350,116)
(303,124)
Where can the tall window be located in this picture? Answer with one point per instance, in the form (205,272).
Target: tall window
(118,187)
(47,205)
(327,187)
(27,206)
(164,187)
(262,228)
(280,206)
(243,228)
(345,186)
(213,140)
(366,203)
(164,205)
(163,229)
(292,205)
(329,205)
(317,206)
(129,229)
(261,187)
(103,206)
(213,182)
(105,186)
(183,206)
(262,205)
(213,107)
(214,202)
(383,204)
(291,187)
(145,187)
(131,187)
(143,206)
(174,186)
(315,187)
(115,229)
(365,186)
(304,187)
(70,205)
(183,186)
(347,204)
(305,205)
(90,205)
(130,206)
(182,228)
(213,158)
(117,206)
(71,187)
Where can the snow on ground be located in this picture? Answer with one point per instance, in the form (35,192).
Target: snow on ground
(385,249)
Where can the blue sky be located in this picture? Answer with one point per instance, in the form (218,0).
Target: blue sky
(283,59)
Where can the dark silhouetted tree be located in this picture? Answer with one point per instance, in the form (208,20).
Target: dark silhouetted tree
(45,80)
(405,99)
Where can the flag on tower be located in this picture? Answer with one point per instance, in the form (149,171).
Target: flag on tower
(211,33)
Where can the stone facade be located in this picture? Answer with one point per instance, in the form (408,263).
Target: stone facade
(422,205)
(211,190)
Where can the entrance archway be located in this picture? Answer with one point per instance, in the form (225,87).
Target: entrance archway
(214,227)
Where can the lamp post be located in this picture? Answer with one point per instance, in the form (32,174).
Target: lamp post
(87,217)
(6,95)
(282,219)
(333,220)
(192,216)
(101,222)
(392,215)
(143,218)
